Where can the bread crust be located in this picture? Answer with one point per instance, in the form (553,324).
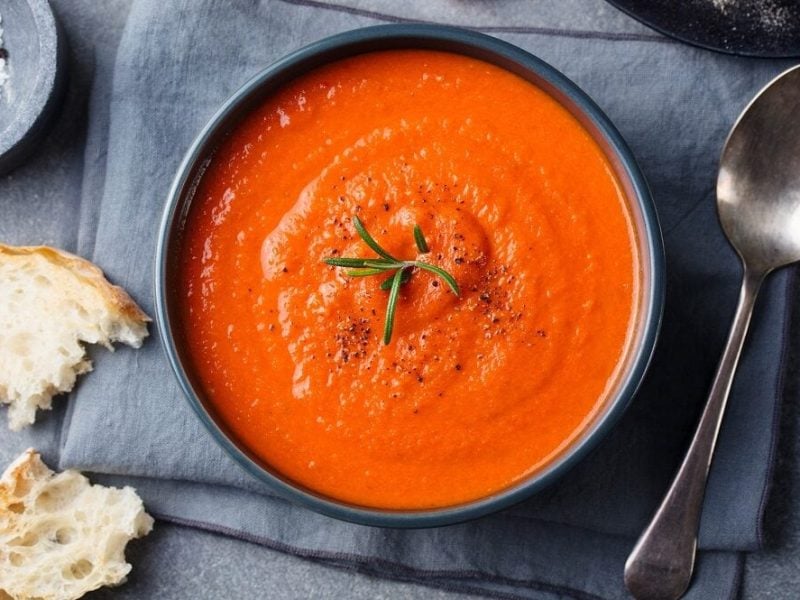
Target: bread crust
(87,271)
(52,305)
(28,464)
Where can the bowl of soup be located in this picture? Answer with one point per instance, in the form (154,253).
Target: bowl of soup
(300,217)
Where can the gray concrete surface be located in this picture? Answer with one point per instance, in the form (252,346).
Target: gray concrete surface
(176,562)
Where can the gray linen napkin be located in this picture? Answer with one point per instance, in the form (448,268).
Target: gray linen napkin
(674,104)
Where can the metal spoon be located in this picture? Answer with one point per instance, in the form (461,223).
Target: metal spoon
(758,202)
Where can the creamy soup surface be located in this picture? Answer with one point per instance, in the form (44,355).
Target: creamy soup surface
(473,393)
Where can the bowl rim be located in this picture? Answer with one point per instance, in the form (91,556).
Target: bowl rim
(456,40)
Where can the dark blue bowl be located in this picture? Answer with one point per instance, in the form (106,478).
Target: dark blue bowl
(478,46)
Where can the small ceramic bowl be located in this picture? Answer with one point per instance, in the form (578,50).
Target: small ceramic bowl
(477,46)
(35,53)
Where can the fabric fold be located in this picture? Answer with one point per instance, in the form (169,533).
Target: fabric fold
(509,556)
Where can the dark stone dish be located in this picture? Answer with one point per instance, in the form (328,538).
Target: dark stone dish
(764,28)
(35,51)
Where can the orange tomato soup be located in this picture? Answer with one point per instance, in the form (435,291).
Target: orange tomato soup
(474,393)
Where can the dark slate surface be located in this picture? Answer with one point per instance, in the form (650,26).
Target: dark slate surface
(744,27)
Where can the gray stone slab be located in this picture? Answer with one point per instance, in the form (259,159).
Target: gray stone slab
(175,563)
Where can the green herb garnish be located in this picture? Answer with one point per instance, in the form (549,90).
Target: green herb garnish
(400,270)
(419,239)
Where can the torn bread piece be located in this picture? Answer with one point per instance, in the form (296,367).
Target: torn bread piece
(61,536)
(50,303)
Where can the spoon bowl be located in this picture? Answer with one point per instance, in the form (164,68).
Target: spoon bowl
(758,202)
(758,188)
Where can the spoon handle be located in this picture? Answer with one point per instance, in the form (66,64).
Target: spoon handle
(660,566)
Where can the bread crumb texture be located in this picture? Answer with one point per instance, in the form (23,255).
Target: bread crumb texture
(60,536)
(51,303)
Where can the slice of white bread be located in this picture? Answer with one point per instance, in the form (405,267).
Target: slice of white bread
(61,536)
(51,302)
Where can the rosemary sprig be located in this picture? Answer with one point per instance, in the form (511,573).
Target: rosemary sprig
(369,241)
(387,284)
(419,239)
(391,307)
(401,270)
